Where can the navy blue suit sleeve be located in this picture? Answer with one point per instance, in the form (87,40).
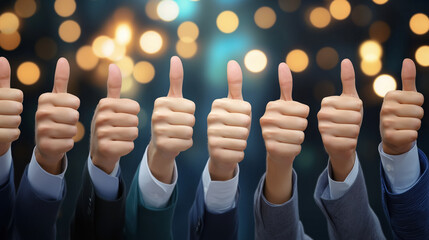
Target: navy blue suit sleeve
(204,224)
(408,212)
(34,217)
(7,199)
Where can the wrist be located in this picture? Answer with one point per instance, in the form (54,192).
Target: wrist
(161,165)
(342,166)
(221,171)
(278,181)
(103,164)
(52,166)
(4,147)
(396,150)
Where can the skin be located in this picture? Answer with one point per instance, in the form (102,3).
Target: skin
(10,108)
(228,127)
(114,125)
(172,126)
(56,119)
(340,119)
(283,125)
(401,113)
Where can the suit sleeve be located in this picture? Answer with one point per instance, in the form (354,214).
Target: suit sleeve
(204,224)
(277,221)
(95,217)
(408,212)
(350,216)
(7,199)
(144,222)
(34,217)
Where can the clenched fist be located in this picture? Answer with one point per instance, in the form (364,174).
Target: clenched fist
(114,125)
(228,126)
(283,126)
(10,108)
(401,113)
(340,119)
(56,120)
(172,126)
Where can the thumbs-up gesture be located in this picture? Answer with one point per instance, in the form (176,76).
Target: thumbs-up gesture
(172,126)
(56,119)
(283,126)
(284,122)
(340,118)
(10,108)
(228,126)
(401,113)
(114,125)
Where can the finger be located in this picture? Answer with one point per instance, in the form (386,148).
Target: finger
(64,115)
(174,118)
(292,109)
(122,105)
(348,78)
(403,123)
(228,143)
(8,135)
(65,100)
(4,73)
(62,75)
(114,82)
(118,133)
(235,80)
(174,131)
(341,102)
(284,135)
(339,130)
(285,122)
(10,107)
(176,77)
(57,130)
(176,104)
(408,75)
(232,106)
(230,119)
(11,94)
(340,116)
(285,82)
(228,131)
(10,121)
(405,110)
(117,120)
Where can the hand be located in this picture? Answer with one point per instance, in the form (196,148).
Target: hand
(228,126)
(114,125)
(283,126)
(340,119)
(56,120)
(401,113)
(10,108)
(172,126)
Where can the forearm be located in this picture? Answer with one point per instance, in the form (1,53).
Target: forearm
(278,182)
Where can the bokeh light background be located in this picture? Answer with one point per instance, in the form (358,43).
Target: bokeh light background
(140,36)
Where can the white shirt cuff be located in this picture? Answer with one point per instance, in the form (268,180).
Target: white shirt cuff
(155,193)
(338,189)
(5,166)
(402,171)
(219,196)
(47,185)
(106,185)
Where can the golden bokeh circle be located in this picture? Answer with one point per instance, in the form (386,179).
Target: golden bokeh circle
(65,8)
(69,31)
(227,21)
(144,72)
(297,60)
(340,9)
(186,49)
(327,58)
(265,17)
(371,68)
(379,31)
(86,59)
(320,17)
(25,8)
(28,73)
(188,31)
(151,42)
(384,84)
(422,56)
(9,23)
(419,23)
(11,41)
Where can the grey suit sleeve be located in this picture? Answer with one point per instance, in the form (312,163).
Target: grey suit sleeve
(277,221)
(350,216)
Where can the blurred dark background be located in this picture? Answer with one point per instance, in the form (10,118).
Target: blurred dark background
(140,36)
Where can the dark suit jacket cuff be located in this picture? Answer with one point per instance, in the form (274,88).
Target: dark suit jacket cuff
(204,224)
(7,200)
